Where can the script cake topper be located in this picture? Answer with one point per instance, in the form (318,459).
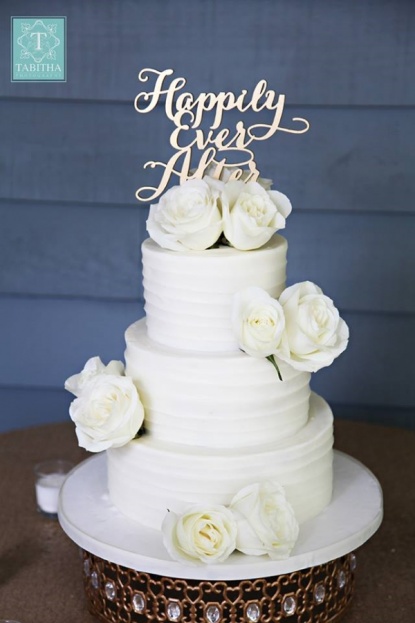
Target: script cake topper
(218,143)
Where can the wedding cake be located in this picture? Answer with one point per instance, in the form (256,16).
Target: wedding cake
(211,432)
(215,495)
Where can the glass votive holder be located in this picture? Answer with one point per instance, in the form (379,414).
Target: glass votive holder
(49,477)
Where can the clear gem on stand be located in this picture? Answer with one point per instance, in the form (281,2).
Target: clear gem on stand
(87,567)
(213,614)
(139,603)
(319,593)
(174,611)
(110,590)
(341,579)
(352,562)
(95,580)
(289,605)
(253,613)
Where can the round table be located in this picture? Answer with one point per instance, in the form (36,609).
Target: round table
(40,569)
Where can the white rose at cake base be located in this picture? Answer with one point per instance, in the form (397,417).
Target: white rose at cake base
(251,214)
(200,535)
(107,411)
(266,521)
(258,521)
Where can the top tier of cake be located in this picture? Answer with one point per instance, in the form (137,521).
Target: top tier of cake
(188,295)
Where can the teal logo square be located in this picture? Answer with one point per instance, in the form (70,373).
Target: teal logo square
(38,49)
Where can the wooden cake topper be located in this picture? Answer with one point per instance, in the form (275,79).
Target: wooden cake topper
(187,111)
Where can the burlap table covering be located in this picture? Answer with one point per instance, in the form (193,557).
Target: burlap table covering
(40,569)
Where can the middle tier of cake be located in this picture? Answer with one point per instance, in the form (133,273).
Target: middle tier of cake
(147,478)
(222,400)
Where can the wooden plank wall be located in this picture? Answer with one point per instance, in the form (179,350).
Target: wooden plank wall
(71,158)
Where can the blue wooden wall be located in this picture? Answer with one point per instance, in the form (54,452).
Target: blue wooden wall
(71,158)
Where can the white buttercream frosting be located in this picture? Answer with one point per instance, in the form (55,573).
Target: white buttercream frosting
(188,294)
(215,400)
(147,476)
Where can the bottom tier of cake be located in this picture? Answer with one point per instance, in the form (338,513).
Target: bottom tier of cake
(147,478)
(94,524)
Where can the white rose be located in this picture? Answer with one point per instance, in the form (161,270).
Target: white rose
(258,322)
(187,216)
(251,214)
(201,534)
(108,412)
(266,521)
(93,366)
(315,333)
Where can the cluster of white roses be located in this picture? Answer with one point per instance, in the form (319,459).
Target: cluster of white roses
(197,213)
(258,521)
(107,410)
(303,328)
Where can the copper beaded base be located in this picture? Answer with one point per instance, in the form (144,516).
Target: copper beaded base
(116,594)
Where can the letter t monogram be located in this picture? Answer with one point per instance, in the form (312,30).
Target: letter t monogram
(39,35)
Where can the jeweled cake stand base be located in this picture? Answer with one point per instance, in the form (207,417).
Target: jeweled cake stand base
(129,577)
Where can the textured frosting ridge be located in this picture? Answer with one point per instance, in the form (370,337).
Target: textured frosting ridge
(188,295)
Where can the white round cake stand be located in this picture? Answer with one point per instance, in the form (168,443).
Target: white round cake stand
(92,522)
